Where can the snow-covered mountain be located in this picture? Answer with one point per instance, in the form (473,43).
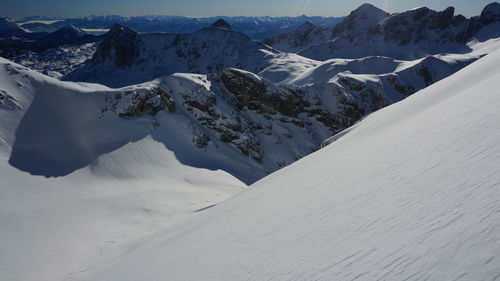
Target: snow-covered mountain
(124,183)
(275,100)
(263,122)
(409,193)
(65,35)
(14,41)
(234,121)
(126,57)
(370,31)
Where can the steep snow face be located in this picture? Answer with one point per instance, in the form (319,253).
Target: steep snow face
(55,227)
(126,57)
(411,192)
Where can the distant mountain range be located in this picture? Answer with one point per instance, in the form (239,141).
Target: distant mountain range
(257,28)
(14,40)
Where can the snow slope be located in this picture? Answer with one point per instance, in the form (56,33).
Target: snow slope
(411,192)
(53,227)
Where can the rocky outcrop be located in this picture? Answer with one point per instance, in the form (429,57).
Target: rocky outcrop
(7,101)
(253,93)
(133,103)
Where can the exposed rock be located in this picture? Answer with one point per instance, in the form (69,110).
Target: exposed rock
(133,103)
(7,101)
(490,14)
(220,23)
(252,93)
(121,45)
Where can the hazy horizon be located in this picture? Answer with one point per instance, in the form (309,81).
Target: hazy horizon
(198,8)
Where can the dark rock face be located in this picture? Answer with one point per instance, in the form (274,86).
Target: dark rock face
(444,19)
(359,22)
(490,14)
(424,24)
(253,94)
(222,24)
(421,24)
(141,102)
(121,44)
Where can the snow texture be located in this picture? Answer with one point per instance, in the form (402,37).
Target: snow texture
(410,193)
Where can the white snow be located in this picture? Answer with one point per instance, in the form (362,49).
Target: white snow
(411,192)
(52,228)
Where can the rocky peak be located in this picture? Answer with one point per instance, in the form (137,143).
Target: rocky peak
(422,24)
(368,13)
(8,24)
(445,18)
(120,44)
(306,26)
(222,24)
(118,30)
(9,27)
(72,29)
(69,31)
(367,8)
(490,14)
(360,21)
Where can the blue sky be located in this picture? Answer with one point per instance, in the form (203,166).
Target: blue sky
(200,8)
